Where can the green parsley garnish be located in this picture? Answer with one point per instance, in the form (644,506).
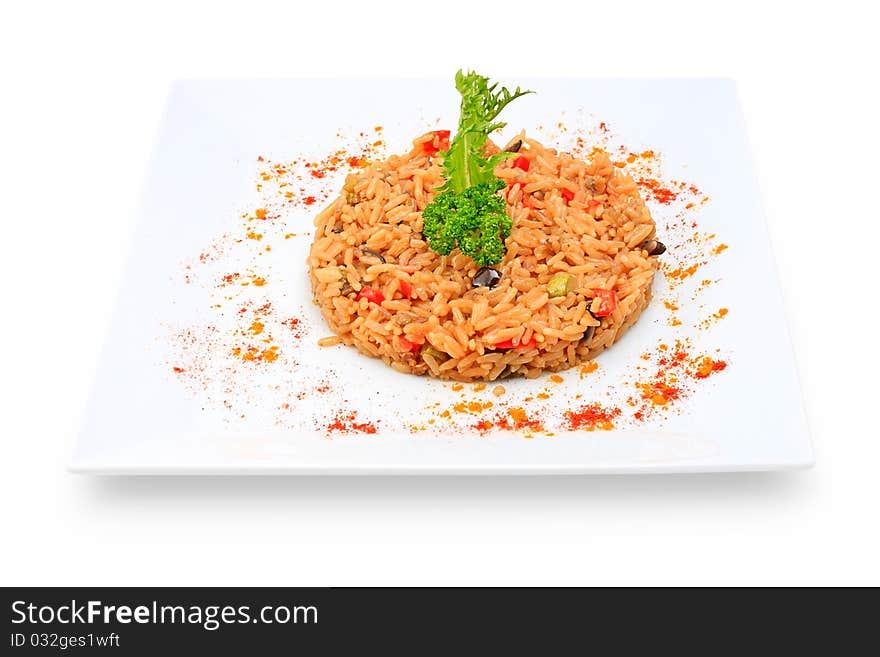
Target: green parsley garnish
(468,213)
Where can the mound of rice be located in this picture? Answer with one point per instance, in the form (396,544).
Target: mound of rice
(429,318)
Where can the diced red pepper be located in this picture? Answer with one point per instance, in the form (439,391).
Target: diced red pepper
(371,295)
(608,299)
(406,289)
(592,205)
(522,162)
(442,138)
(508,344)
(568,195)
(406,345)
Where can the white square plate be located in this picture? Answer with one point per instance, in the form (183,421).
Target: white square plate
(174,394)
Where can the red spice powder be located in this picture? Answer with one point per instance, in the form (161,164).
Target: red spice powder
(253,333)
(677,371)
(471,407)
(660,392)
(713,318)
(294,325)
(588,368)
(514,419)
(346,422)
(521,420)
(680,273)
(708,366)
(591,417)
(253,354)
(294,182)
(657,190)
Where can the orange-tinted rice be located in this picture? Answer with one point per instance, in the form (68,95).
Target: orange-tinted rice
(448,328)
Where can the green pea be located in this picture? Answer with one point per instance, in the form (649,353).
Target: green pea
(436,354)
(561,284)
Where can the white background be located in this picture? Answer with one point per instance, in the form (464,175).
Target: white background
(83,88)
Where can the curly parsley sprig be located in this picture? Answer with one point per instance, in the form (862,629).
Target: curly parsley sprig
(468,213)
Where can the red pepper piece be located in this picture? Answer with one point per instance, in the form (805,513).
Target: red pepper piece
(371,295)
(522,162)
(508,344)
(407,346)
(442,139)
(608,299)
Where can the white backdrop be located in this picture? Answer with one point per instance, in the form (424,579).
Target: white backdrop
(83,90)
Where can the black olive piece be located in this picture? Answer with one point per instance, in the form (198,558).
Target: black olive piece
(588,334)
(653,247)
(346,289)
(374,254)
(487,277)
(514,147)
(590,303)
